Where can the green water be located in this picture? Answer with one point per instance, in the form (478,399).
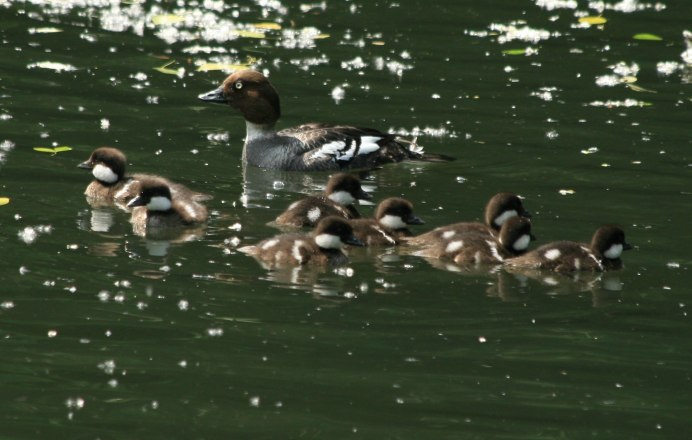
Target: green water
(107,335)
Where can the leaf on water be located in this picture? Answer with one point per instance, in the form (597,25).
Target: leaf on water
(268,25)
(322,36)
(248,34)
(159,20)
(514,51)
(209,67)
(647,37)
(53,151)
(636,88)
(45,30)
(165,70)
(629,79)
(4,201)
(593,20)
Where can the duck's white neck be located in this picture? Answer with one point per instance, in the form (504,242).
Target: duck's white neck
(254,131)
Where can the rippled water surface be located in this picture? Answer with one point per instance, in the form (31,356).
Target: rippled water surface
(105,334)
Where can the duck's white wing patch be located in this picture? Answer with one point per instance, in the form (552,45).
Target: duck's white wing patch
(493,250)
(552,254)
(386,236)
(314,214)
(270,243)
(368,144)
(347,149)
(454,246)
(448,234)
(297,246)
(104,174)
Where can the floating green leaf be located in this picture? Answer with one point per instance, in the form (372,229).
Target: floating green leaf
(167,19)
(593,20)
(647,37)
(54,150)
(514,51)
(4,201)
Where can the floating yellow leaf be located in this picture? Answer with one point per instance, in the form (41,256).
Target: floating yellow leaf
(248,34)
(322,36)
(378,43)
(636,88)
(593,20)
(45,30)
(268,25)
(167,19)
(54,150)
(629,79)
(209,67)
(4,201)
(647,37)
(514,51)
(165,70)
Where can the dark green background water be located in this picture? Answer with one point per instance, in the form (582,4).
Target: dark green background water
(107,335)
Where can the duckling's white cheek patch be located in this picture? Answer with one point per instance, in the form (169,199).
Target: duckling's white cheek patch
(342,197)
(613,252)
(158,203)
(328,241)
(577,264)
(454,246)
(392,222)
(552,254)
(314,214)
(522,243)
(448,234)
(502,218)
(104,174)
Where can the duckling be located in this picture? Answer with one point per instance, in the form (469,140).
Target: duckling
(323,247)
(342,191)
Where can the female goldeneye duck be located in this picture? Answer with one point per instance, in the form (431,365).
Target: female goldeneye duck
(473,248)
(111,184)
(392,218)
(323,247)
(341,192)
(308,147)
(603,253)
(501,207)
(155,207)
